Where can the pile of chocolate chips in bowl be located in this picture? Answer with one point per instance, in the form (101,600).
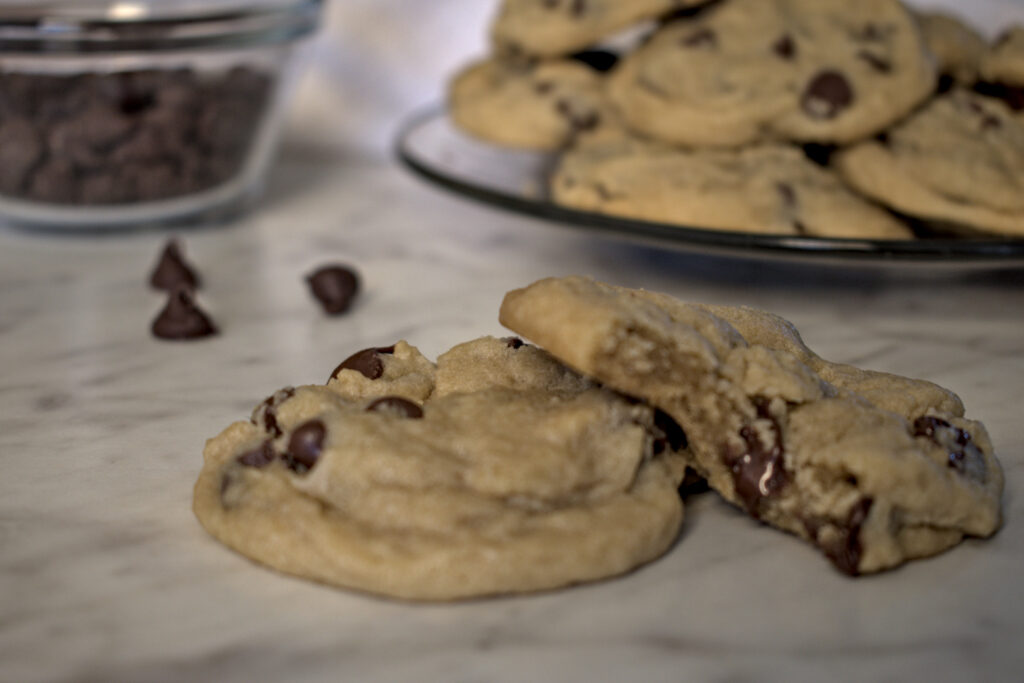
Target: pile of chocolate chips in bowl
(126,137)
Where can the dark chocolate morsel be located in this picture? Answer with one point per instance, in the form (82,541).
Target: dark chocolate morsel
(827,95)
(266,412)
(667,433)
(171,271)
(598,60)
(514,342)
(181,318)
(758,471)
(334,287)
(305,446)
(259,457)
(963,454)
(784,47)
(845,554)
(397,406)
(367,362)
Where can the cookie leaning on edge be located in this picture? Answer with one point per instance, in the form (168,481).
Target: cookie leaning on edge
(498,470)
(872,468)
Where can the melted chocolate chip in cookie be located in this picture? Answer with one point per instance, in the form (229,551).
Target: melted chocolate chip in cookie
(396,406)
(366,362)
(172,271)
(266,412)
(259,457)
(758,470)
(514,342)
(305,445)
(182,319)
(963,455)
(334,287)
(845,552)
(827,95)
(785,47)
(602,61)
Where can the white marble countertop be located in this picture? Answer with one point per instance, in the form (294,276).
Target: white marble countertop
(106,576)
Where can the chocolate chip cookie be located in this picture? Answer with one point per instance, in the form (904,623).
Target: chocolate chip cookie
(497,470)
(824,71)
(872,468)
(958,161)
(1004,63)
(558,27)
(529,105)
(957,47)
(770,189)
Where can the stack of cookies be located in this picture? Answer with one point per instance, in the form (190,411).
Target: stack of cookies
(825,118)
(509,467)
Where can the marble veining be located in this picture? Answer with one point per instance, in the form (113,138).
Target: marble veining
(106,576)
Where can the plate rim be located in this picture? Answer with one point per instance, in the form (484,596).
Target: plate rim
(688,238)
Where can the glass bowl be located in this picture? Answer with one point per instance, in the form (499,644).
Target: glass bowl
(122,114)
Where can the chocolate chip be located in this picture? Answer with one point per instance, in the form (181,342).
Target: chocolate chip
(266,412)
(334,287)
(514,342)
(703,37)
(602,61)
(784,47)
(963,454)
(845,552)
(172,271)
(758,470)
(827,95)
(877,63)
(396,406)
(259,457)
(305,445)
(667,433)
(89,126)
(181,318)
(366,362)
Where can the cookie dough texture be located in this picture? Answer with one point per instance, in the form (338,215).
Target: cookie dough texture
(770,189)
(826,71)
(496,471)
(957,47)
(530,105)
(872,468)
(959,161)
(1004,63)
(560,27)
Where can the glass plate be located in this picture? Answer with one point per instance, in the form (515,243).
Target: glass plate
(431,146)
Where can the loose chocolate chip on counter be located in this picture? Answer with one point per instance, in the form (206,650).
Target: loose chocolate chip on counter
(784,47)
(366,362)
(598,60)
(334,287)
(259,457)
(397,406)
(846,552)
(514,342)
(172,271)
(181,318)
(827,95)
(305,446)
